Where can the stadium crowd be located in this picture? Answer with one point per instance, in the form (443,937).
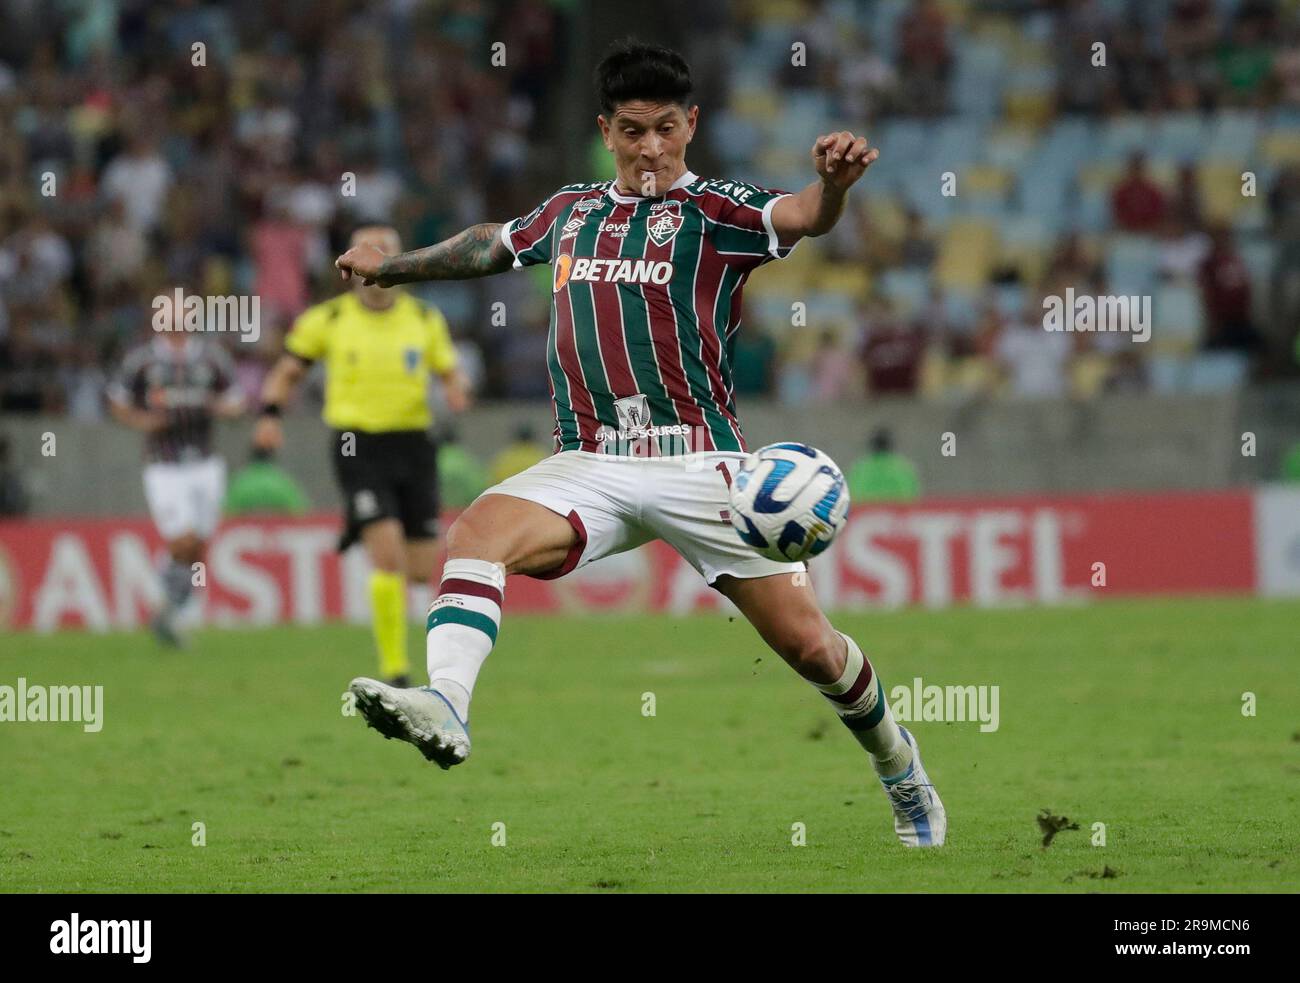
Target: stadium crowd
(1140,149)
(133,162)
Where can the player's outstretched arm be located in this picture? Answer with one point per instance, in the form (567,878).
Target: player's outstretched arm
(478,251)
(840,159)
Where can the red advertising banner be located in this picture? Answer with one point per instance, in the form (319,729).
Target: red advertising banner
(100,574)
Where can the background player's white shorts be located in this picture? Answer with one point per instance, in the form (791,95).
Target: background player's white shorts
(185,498)
(616,503)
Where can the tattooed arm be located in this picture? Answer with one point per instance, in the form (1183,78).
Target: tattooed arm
(478,251)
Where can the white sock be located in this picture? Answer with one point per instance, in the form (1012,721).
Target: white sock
(463,623)
(858,697)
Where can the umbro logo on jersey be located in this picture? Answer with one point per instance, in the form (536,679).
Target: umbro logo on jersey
(570,228)
(585,269)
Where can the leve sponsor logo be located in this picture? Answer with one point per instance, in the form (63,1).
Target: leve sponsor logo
(585,269)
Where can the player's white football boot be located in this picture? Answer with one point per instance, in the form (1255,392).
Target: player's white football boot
(919,818)
(420,716)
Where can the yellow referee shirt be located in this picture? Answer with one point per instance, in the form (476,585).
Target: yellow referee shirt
(377,363)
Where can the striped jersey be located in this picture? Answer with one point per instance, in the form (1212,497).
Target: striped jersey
(182,382)
(645,308)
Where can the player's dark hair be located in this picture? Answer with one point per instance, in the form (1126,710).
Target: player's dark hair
(633,70)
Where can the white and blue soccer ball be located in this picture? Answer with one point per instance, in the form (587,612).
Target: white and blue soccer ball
(789,501)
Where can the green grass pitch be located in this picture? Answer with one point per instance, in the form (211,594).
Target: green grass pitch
(1127,714)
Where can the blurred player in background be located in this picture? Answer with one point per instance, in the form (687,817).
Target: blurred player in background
(171,388)
(648,271)
(379,347)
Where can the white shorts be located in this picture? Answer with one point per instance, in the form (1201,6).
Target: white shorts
(616,503)
(185,498)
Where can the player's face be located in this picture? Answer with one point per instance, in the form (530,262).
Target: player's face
(648,141)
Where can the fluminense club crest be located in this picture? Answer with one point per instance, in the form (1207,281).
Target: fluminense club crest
(665,219)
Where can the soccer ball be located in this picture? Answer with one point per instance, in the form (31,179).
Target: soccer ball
(789,501)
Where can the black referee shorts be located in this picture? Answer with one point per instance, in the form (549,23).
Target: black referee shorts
(391,476)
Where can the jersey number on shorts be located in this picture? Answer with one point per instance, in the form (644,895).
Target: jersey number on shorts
(726,476)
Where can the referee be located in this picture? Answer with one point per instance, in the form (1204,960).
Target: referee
(379,347)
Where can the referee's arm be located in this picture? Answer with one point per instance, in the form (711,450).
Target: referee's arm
(280,383)
(455,389)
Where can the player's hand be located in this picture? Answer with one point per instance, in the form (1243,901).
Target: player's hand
(268,435)
(364,261)
(841,158)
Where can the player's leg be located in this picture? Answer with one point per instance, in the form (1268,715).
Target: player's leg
(162,493)
(520,535)
(495,535)
(177,579)
(784,611)
(368,469)
(687,508)
(184,501)
(544,522)
(385,547)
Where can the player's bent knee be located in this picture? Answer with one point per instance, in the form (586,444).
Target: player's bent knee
(466,538)
(476,536)
(521,535)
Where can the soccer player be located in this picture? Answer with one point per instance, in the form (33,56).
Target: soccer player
(647,276)
(171,388)
(379,347)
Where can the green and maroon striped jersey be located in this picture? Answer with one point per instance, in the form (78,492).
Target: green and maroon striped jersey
(645,308)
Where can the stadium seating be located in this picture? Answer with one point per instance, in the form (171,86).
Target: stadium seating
(1025,177)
